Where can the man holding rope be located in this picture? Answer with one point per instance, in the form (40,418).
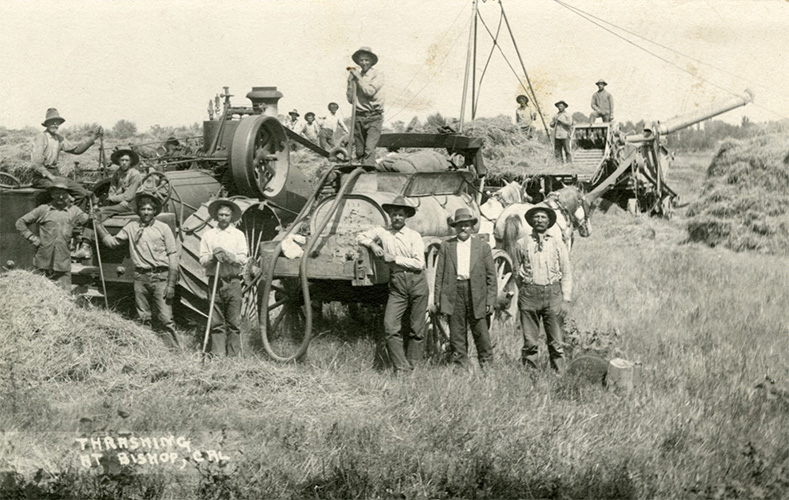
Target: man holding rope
(224,248)
(155,256)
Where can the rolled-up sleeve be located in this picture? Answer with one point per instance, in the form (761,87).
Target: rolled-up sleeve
(417,259)
(368,237)
(567,271)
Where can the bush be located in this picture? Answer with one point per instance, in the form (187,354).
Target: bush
(124,129)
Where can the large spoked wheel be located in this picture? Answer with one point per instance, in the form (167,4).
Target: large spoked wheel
(283,325)
(158,183)
(505,312)
(437,334)
(259,145)
(8,181)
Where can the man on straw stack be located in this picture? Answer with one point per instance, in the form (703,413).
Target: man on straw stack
(56,222)
(365,92)
(155,256)
(225,247)
(465,289)
(402,248)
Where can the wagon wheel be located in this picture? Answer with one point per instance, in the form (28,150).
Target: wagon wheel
(283,325)
(159,184)
(8,181)
(505,312)
(437,334)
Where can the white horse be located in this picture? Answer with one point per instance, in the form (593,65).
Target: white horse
(491,210)
(572,212)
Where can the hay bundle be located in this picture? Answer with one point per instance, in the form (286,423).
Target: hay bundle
(745,200)
(46,336)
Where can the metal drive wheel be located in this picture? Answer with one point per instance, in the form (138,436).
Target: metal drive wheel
(282,320)
(8,181)
(158,183)
(258,144)
(437,334)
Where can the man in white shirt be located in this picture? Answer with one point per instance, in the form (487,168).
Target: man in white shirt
(465,289)
(329,126)
(227,245)
(366,84)
(403,249)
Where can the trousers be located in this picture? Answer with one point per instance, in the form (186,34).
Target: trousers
(594,115)
(560,145)
(366,133)
(462,318)
(406,289)
(226,319)
(542,303)
(150,289)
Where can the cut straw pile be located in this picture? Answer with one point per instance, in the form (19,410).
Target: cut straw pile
(745,201)
(46,336)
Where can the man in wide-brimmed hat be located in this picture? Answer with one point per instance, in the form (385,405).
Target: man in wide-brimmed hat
(545,287)
(120,201)
(310,128)
(562,124)
(293,123)
(524,116)
(56,222)
(330,124)
(366,85)
(46,152)
(154,253)
(602,103)
(403,250)
(227,246)
(465,288)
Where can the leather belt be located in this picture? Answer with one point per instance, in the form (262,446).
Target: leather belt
(153,270)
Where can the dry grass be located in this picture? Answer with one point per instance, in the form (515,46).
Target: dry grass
(745,201)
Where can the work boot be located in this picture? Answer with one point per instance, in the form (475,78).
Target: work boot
(85,251)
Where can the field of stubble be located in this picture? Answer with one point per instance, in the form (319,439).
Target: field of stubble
(707,324)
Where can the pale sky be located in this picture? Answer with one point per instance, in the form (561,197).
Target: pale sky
(159,62)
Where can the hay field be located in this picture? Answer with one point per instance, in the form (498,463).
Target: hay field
(708,325)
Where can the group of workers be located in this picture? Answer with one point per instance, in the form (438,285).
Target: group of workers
(466,289)
(151,242)
(562,123)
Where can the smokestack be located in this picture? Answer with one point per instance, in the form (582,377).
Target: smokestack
(265,98)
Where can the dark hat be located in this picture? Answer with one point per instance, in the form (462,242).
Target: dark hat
(58,183)
(52,114)
(293,112)
(215,205)
(600,81)
(533,210)
(400,202)
(309,113)
(522,95)
(365,50)
(330,104)
(115,157)
(561,102)
(463,214)
(148,194)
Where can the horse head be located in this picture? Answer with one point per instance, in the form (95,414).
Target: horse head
(571,200)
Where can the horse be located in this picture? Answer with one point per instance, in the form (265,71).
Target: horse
(573,212)
(511,193)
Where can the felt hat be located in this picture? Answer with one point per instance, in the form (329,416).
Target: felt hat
(293,112)
(561,102)
(463,214)
(213,209)
(52,114)
(333,104)
(365,50)
(309,113)
(115,157)
(533,210)
(147,194)
(517,99)
(58,183)
(600,81)
(400,202)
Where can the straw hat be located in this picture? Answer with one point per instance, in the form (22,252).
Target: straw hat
(400,202)
(533,210)
(58,183)
(293,112)
(463,214)
(52,114)
(215,205)
(365,50)
(598,82)
(115,157)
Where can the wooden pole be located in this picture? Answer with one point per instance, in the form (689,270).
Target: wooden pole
(211,308)
(468,65)
(98,254)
